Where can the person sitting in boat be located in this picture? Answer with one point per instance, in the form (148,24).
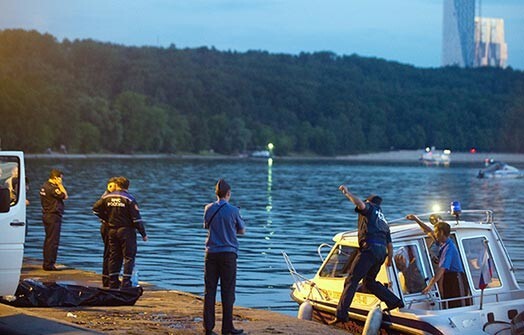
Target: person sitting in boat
(449,275)
(410,277)
(375,247)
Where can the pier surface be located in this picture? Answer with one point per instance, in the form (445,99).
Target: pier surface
(158,311)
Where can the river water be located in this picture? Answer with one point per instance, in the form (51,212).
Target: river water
(290,206)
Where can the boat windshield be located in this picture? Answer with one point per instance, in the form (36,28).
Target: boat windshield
(339,262)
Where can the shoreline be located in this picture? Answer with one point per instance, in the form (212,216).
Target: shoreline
(157,311)
(398,156)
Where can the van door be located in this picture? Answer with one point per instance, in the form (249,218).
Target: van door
(12,219)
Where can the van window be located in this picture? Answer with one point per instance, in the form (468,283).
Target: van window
(478,257)
(9,172)
(339,262)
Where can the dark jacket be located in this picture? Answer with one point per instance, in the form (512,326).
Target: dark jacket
(119,209)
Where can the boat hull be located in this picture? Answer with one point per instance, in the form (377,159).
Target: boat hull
(391,324)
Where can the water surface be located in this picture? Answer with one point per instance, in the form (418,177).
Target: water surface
(291,206)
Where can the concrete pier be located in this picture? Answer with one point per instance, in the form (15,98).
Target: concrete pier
(158,311)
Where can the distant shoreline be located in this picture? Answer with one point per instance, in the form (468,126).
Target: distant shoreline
(404,156)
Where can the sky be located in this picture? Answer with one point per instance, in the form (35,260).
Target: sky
(406,31)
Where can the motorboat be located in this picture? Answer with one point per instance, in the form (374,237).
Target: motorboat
(261,154)
(431,156)
(497,169)
(493,304)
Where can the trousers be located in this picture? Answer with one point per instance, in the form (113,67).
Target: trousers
(366,265)
(52,225)
(104,232)
(220,266)
(122,251)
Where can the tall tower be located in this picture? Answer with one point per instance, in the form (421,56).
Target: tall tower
(490,46)
(458,44)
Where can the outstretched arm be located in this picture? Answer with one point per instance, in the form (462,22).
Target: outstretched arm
(425,227)
(351,197)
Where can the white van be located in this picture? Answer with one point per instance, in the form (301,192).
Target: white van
(12,219)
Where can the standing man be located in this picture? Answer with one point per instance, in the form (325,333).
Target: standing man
(104,233)
(374,239)
(450,275)
(119,210)
(52,196)
(224,223)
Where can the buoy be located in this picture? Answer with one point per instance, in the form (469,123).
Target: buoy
(373,321)
(305,311)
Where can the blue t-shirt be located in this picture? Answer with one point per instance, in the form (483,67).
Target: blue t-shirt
(222,230)
(449,258)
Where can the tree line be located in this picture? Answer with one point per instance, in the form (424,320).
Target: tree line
(102,97)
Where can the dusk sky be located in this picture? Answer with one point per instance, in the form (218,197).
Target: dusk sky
(407,31)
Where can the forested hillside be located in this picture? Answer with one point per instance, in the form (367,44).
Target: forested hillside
(99,97)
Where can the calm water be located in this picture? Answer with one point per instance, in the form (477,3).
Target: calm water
(291,206)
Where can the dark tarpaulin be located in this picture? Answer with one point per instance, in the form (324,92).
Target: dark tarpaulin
(32,293)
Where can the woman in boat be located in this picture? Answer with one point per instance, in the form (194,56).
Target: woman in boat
(410,277)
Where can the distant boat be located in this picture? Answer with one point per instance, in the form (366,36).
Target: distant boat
(436,157)
(497,169)
(261,154)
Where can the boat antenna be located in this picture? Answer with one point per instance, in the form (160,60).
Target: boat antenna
(456,210)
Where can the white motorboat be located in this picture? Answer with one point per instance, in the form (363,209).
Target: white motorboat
(497,169)
(498,308)
(261,154)
(431,156)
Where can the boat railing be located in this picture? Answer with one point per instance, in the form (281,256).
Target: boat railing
(319,250)
(475,299)
(299,279)
(486,213)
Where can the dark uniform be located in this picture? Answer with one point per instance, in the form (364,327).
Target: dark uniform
(52,200)
(104,233)
(119,210)
(373,237)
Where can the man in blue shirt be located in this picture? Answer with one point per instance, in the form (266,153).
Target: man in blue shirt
(223,222)
(450,273)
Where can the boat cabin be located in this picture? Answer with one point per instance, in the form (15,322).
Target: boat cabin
(416,260)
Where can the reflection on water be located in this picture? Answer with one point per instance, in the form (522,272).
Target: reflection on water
(291,206)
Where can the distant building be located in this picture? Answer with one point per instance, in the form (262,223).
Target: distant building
(458,43)
(490,47)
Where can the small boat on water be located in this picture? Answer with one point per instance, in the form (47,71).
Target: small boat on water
(260,154)
(497,169)
(431,156)
(493,304)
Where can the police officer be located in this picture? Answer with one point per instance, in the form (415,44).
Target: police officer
(374,239)
(120,210)
(52,196)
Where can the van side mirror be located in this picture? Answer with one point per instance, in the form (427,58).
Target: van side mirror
(5,200)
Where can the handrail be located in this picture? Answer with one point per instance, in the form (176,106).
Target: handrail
(487,212)
(434,299)
(298,279)
(320,247)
